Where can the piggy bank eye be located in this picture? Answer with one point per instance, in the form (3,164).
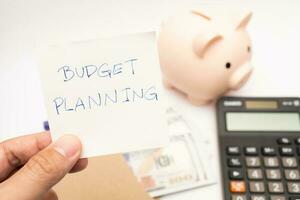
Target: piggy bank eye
(228,65)
(249,49)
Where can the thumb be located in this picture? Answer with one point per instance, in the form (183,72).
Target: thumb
(45,169)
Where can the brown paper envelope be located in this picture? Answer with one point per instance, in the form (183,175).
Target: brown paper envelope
(106,178)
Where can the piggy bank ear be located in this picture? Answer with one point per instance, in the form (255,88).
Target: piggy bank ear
(244,20)
(203,42)
(200,13)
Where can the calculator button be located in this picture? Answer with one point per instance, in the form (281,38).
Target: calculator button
(277,198)
(253,162)
(286,151)
(273,174)
(294,198)
(284,141)
(257,187)
(271,162)
(297,141)
(275,187)
(234,162)
(236,174)
(269,151)
(289,162)
(255,174)
(237,186)
(238,197)
(251,151)
(258,197)
(294,187)
(291,174)
(233,150)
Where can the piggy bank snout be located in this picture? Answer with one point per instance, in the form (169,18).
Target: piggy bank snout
(240,76)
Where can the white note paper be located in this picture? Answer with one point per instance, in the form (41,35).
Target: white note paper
(108,92)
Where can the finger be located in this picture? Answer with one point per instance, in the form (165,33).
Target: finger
(16,152)
(51,195)
(45,169)
(80,165)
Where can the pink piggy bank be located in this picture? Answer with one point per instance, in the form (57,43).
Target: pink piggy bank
(204,56)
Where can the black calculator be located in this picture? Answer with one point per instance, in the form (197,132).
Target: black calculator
(259,142)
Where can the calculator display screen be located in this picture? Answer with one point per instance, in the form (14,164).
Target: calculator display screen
(254,121)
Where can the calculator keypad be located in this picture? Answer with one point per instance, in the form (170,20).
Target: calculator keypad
(265,173)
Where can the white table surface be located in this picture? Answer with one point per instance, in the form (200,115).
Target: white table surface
(25,26)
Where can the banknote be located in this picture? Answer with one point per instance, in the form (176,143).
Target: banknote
(175,168)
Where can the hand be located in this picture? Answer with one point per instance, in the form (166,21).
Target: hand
(31,165)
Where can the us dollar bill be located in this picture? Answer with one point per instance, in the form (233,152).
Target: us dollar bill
(177,167)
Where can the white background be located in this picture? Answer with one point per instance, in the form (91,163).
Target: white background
(26,26)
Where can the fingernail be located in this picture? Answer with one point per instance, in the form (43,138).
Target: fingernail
(68,146)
